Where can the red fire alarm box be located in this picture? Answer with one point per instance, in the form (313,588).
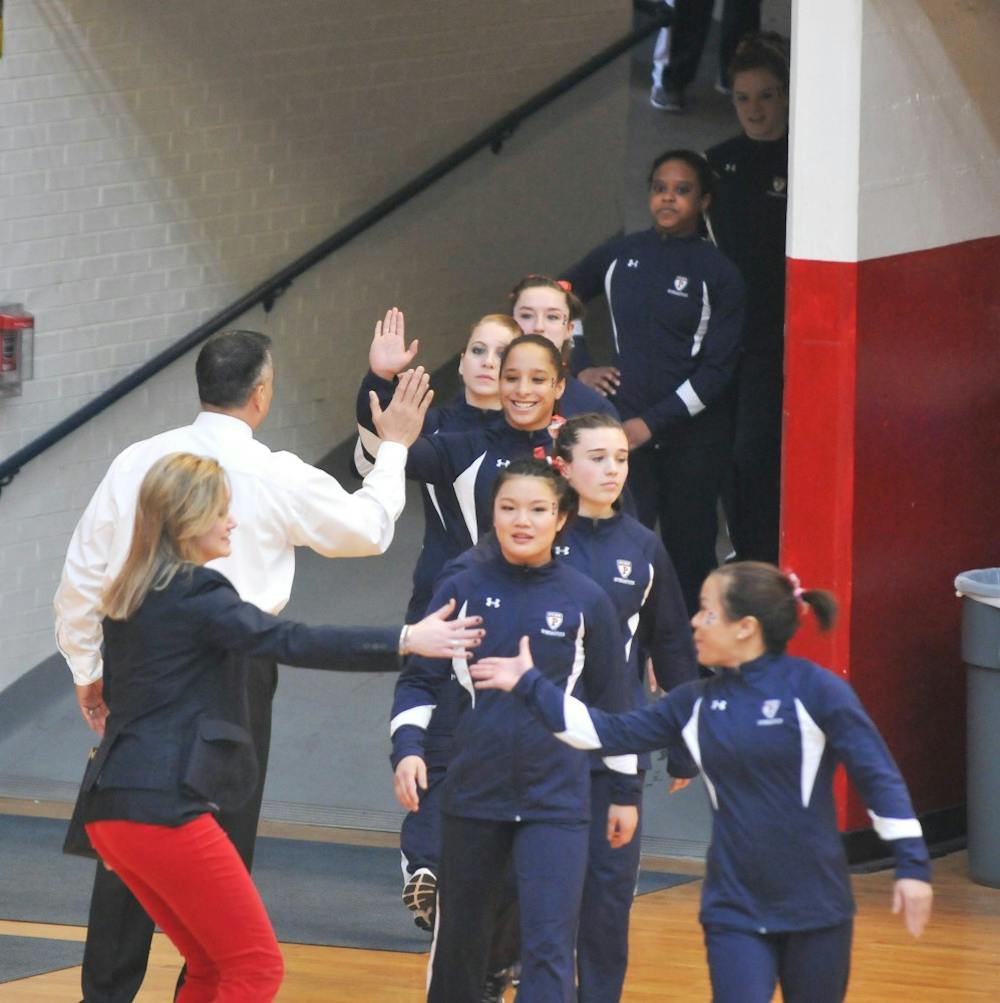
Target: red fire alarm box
(17,328)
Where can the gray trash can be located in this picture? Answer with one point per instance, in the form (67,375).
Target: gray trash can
(980,591)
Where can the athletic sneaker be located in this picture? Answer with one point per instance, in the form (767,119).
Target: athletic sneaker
(667,98)
(420,897)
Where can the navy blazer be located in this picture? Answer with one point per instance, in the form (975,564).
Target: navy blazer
(179,718)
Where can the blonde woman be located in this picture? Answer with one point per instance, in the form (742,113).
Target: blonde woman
(176,749)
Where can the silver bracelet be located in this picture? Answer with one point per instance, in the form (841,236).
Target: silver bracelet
(404,641)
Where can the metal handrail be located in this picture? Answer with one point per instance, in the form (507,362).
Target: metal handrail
(494,136)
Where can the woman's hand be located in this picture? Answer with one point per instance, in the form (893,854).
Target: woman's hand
(637,432)
(913,898)
(502,673)
(678,784)
(438,637)
(604,379)
(411,774)
(623,820)
(388,354)
(92,705)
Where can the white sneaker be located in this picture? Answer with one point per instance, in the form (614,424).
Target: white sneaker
(667,99)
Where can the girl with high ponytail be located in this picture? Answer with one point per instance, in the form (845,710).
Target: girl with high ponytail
(768,731)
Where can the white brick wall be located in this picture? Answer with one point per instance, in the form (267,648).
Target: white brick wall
(158,160)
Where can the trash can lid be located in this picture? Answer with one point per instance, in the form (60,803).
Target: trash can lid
(983,585)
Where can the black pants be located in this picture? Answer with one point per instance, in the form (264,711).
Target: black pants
(549,860)
(119,932)
(678,482)
(754,496)
(689,32)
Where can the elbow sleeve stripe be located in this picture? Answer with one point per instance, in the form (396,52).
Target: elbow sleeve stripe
(628,764)
(813,744)
(706,316)
(580,732)
(607,294)
(690,399)
(896,828)
(690,735)
(419,716)
(633,626)
(465,492)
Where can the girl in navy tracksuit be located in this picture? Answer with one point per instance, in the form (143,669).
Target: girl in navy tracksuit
(548,307)
(476,408)
(768,732)
(629,562)
(460,467)
(513,793)
(676,306)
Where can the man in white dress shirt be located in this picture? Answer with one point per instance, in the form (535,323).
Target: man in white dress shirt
(279,502)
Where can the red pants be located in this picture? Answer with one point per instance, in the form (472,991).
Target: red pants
(192,882)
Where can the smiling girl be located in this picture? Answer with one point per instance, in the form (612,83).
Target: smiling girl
(476,407)
(677,311)
(512,792)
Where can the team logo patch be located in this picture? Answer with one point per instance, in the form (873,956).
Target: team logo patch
(770,708)
(491,601)
(624,568)
(554,620)
(680,283)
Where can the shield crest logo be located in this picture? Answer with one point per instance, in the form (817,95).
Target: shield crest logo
(624,568)
(680,283)
(554,620)
(779,184)
(770,707)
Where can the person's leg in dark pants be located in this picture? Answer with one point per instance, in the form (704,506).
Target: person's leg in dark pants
(420,833)
(691,475)
(814,965)
(474,858)
(739,18)
(742,966)
(608,891)
(550,860)
(692,20)
(118,937)
(756,471)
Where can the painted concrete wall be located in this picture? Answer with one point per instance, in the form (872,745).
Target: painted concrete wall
(892,406)
(158,160)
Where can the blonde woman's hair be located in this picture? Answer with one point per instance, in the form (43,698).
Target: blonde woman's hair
(179,499)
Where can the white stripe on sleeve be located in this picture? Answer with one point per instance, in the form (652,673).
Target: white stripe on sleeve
(420,716)
(580,731)
(628,764)
(895,828)
(691,400)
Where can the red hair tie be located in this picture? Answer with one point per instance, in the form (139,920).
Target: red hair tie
(565,285)
(559,463)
